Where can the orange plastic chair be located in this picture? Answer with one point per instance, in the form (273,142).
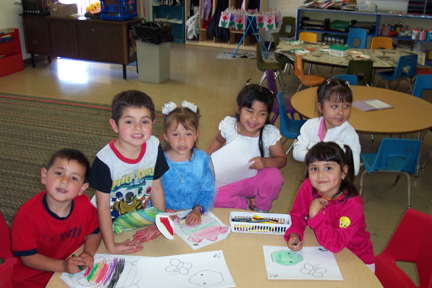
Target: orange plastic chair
(382,43)
(308,37)
(6,269)
(416,226)
(307,80)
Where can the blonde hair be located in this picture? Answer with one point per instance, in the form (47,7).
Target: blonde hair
(182,116)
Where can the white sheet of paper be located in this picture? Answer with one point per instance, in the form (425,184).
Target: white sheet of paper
(187,271)
(378,104)
(310,263)
(126,277)
(211,230)
(231,164)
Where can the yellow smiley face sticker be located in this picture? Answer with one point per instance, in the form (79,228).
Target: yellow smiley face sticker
(344,222)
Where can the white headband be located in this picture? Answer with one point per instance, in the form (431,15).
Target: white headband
(339,142)
(170,106)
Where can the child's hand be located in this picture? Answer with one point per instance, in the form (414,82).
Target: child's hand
(127,246)
(71,264)
(316,205)
(147,234)
(88,260)
(294,242)
(258,163)
(193,218)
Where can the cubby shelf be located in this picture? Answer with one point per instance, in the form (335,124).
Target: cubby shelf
(206,39)
(12,60)
(174,15)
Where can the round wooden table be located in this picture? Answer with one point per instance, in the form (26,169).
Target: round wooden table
(244,256)
(410,114)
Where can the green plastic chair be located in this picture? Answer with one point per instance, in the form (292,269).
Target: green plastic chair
(363,69)
(263,66)
(282,33)
(287,62)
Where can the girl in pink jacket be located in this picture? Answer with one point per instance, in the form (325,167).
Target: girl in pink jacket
(330,204)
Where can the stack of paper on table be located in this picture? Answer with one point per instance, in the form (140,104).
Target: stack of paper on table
(369,105)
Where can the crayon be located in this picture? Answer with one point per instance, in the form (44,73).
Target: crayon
(80,267)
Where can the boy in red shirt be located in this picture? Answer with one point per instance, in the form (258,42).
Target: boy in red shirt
(56,222)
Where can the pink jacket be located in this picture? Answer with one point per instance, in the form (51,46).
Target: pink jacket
(340,224)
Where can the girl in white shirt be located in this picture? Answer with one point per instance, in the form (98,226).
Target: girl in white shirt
(334,104)
(260,149)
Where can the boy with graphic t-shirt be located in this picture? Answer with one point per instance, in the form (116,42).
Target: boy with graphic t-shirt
(56,222)
(127,172)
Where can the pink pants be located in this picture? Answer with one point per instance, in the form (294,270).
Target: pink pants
(264,187)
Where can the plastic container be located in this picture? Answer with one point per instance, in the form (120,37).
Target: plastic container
(284,222)
(153,32)
(118,9)
(339,50)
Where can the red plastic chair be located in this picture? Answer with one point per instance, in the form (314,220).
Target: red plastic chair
(411,242)
(271,85)
(6,269)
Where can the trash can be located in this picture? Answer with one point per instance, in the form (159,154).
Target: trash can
(153,51)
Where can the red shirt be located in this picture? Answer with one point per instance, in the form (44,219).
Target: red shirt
(340,224)
(38,230)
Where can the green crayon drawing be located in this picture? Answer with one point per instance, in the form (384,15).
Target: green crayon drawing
(286,258)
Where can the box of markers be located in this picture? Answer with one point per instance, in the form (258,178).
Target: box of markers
(259,223)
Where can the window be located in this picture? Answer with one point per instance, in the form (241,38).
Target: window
(81,4)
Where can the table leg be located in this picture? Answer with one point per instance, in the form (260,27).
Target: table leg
(124,71)
(33,60)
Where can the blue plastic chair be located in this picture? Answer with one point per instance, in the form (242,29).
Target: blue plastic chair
(352,79)
(423,82)
(408,62)
(271,85)
(357,33)
(290,129)
(394,155)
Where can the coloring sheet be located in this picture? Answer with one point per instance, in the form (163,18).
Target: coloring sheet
(108,271)
(310,263)
(188,270)
(208,232)
(120,271)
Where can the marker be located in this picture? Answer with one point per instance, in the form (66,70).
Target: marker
(80,267)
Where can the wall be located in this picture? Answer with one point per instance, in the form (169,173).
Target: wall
(9,18)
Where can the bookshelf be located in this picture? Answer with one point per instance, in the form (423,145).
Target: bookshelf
(11,60)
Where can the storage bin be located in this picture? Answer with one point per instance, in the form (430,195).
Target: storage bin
(279,228)
(118,9)
(339,50)
(37,7)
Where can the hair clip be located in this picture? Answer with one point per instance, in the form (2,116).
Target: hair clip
(328,81)
(341,145)
(347,83)
(168,107)
(191,106)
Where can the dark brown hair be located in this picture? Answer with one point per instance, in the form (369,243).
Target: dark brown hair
(131,98)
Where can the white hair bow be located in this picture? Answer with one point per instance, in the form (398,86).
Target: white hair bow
(168,107)
(191,106)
